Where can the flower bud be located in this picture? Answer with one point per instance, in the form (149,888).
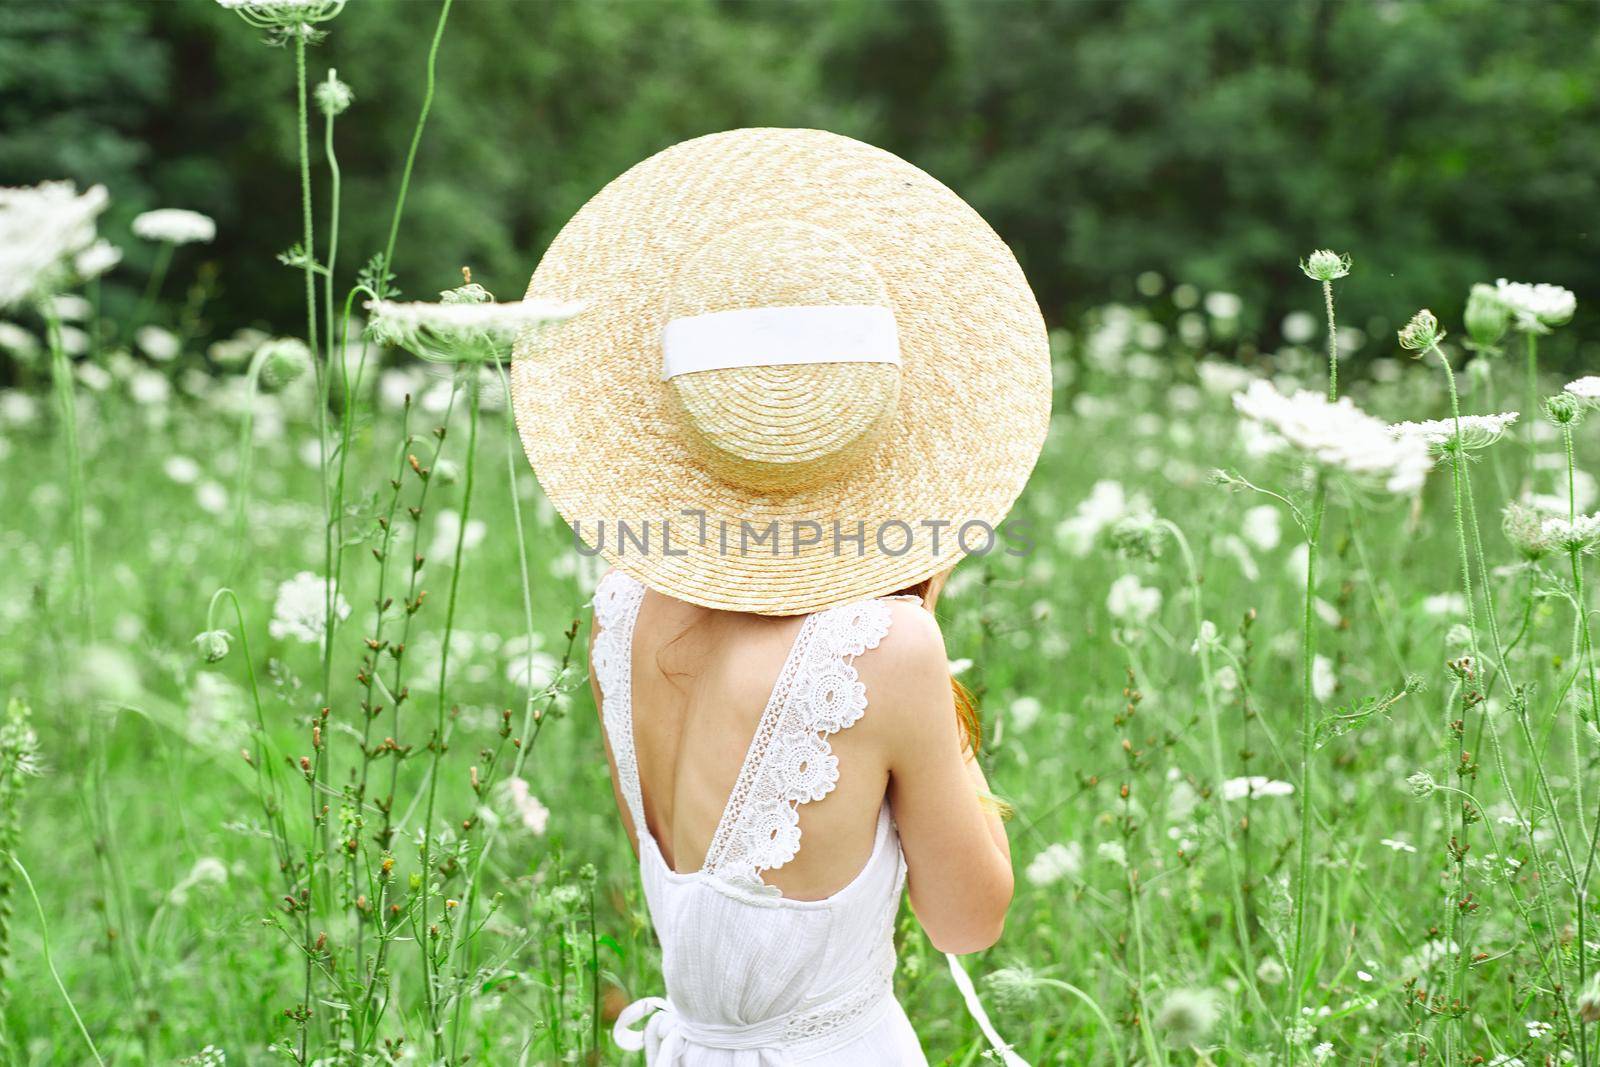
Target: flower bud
(1421,333)
(334,97)
(1324,265)
(1487,318)
(213,644)
(283,359)
(1563,408)
(1421,784)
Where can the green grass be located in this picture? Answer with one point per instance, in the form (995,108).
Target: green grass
(145,777)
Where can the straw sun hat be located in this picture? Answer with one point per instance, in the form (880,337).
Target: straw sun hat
(801,361)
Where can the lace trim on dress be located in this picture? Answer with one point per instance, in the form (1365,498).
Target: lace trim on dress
(790,761)
(616,609)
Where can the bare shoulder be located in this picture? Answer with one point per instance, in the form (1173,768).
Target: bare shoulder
(908,674)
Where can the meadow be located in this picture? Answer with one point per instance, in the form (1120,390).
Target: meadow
(1294,697)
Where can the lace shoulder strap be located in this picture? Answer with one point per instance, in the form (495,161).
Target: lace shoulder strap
(616,609)
(790,761)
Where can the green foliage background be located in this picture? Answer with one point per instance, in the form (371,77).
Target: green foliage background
(1440,143)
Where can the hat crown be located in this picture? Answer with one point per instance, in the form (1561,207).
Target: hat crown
(797,424)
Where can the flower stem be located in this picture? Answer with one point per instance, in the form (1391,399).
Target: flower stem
(1308,651)
(66,398)
(49,961)
(152,289)
(1219,770)
(1333,341)
(435,1022)
(1532,412)
(411,153)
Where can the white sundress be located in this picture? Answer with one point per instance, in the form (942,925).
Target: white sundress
(755,979)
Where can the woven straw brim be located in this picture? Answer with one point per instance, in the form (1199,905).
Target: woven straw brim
(605,434)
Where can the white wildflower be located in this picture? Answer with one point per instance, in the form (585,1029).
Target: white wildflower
(207,870)
(1579,534)
(447,531)
(17,409)
(1477,431)
(159,343)
(299,612)
(1536,308)
(533,671)
(1270,972)
(96,260)
(1112,852)
(1298,327)
(181,469)
(70,307)
(1396,845)
(1130,601)
(93,376)
(1222,379)
(17,341)
(1024,712)
(175,226)
(1056,862)
(1445,604)
(149,388)
(236,351)
(43,228)
(1106,504)
(465,326)
(1586,388)
(1262,527)
(74,342)
(534,815)
(1222,305)
(1524,527)
(211,497)
(1337,435)
(291,17)
(1187,1016)
(1255,786)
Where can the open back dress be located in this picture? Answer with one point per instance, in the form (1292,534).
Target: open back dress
(754,978)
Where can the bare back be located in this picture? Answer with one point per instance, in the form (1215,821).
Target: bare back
(695,687)
(702,679)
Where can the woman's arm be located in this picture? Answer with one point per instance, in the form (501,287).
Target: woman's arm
(957,856)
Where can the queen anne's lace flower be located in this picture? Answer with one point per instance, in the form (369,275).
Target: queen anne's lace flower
(465,326)
(1536,308)
(1338,436)
(1477,431)
(1586,388)
(300,611)
(293,17)
(1255,786)
(1524,528)
(175,226)
(44,229)
(1579,534)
